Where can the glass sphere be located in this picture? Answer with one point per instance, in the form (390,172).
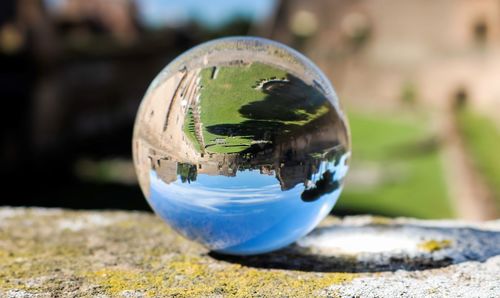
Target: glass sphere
(240,144)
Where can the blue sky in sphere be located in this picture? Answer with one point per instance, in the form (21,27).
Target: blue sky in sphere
(245,214)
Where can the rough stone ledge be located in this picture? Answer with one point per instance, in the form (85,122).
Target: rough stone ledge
(54,252)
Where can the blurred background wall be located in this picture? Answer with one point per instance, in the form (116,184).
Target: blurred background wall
(419,80)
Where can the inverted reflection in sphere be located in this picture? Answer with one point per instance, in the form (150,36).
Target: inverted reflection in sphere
(240,144)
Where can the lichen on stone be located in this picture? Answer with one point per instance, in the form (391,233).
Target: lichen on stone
(134,254)
(194,276)
(434,245)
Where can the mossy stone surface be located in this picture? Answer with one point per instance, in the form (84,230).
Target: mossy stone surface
(61,253)
(50,252)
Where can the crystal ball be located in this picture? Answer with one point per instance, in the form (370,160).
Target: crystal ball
(241,145)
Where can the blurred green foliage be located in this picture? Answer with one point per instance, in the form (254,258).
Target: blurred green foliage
(482,139)
(411,179)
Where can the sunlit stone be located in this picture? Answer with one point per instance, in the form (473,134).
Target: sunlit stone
(240,144)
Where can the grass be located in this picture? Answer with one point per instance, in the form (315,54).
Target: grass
(189,130)
(234,113)
(483,142)
(416,186)
(222,98)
